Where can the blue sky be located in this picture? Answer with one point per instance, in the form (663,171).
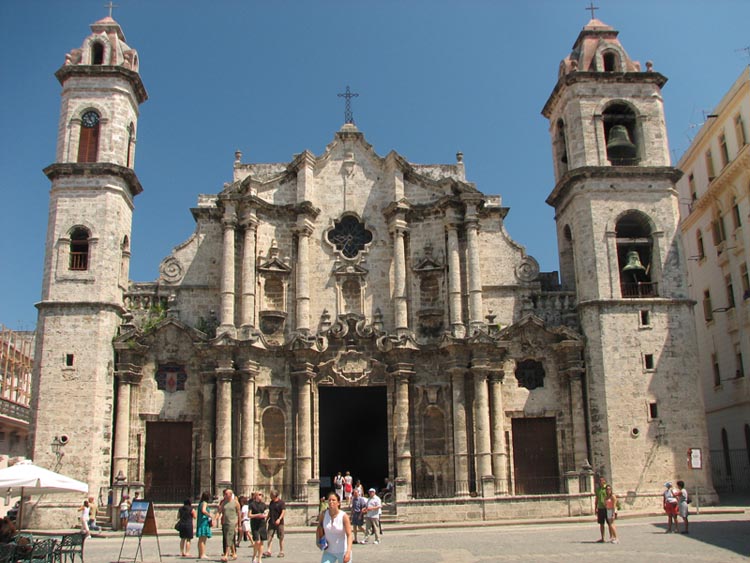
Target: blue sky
(433,77)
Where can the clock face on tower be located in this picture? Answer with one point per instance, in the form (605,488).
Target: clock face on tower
(349,236)
(90,119)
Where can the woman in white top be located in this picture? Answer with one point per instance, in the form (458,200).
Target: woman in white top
(334,532)
(85,511)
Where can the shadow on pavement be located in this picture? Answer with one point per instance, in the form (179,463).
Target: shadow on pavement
(733,535)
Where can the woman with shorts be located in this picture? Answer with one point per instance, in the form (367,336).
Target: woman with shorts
(334,532)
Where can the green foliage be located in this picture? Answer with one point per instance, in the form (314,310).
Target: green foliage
(156,314)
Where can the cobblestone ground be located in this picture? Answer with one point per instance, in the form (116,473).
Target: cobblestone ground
(720,538)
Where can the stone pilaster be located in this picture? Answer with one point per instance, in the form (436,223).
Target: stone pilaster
(454,277)
(121,447)
(401,320)
(250,225)
(304,230)
(482,454)
(304,376)
(460,439)
(249,373)
(208,383)
(401,428)
(572,370)
(499,455)
(224,374)
(229,225)
(474,270)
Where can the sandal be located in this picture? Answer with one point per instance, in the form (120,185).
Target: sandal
(280,554)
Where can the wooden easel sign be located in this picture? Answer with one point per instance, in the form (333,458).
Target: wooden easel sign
(141,522)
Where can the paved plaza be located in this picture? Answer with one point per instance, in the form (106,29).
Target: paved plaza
(713,537)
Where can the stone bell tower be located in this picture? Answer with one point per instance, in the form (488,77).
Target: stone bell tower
(617,225)
(87,255)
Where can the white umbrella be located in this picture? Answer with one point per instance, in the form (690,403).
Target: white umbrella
(25,478)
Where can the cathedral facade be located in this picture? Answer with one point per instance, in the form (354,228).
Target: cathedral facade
(356,312)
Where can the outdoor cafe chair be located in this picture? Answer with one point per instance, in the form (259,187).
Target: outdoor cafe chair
(8,553)
(70,547)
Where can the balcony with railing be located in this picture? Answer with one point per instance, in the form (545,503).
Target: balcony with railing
(632,290)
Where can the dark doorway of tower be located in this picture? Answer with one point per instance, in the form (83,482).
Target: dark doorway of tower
(353,424)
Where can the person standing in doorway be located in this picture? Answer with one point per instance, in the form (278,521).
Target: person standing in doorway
(334,532)
(682,506)
(338,484)
(372,516)
(276,513)
(203,529)
(348,486)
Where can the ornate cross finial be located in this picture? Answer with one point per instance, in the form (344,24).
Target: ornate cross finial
(110,6)
(592,8)
(348,95)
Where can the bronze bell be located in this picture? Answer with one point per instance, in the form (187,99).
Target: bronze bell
(634,263)
(619,146)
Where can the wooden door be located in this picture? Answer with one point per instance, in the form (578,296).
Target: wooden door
(169,459)
(536,470)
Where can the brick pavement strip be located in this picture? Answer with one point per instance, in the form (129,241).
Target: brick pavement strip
(714,537)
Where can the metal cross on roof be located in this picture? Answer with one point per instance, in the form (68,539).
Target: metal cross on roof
(348,95)
(110,6)
(592,8)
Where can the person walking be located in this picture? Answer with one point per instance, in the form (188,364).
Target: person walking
(203,529)
(682,506)
(338,484)
(229,509)
(334,532)
(359,503)
(124,511)
(372,516)
(258,529)
(85,513)
(348,486)
(185,516)
(610,503)
(276,512)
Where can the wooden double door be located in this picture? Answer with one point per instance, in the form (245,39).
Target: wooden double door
(169,461)
(535,457)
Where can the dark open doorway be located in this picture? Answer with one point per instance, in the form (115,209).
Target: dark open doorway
(353,434)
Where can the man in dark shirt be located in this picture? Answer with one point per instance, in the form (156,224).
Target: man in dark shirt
(276,512)
(258,512)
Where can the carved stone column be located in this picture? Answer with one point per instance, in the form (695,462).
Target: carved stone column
(401,320)
(482,426)
(121,453)
(304,230)
(454,277)
(460,440)
(304,376)
(224,375)
(571,368)
(208,382)
(499,455)
(474,270)
(229,224)
(247,432)
(401,428)
(250,223)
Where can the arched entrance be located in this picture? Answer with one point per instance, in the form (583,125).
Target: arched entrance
(353,424)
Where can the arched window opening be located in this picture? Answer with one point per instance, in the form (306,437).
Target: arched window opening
(611,61)
(434,431)
(561,148)
(274,435)
(79,249)
(97,53)
(619,134)
(274,291)
(634,256)
(351,293)
(726,453)
(88,143)
(131,141)
(567,260)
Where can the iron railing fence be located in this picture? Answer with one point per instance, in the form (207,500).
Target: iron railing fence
(730,470)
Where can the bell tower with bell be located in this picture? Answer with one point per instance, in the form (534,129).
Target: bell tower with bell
(617,225)
(93,189)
